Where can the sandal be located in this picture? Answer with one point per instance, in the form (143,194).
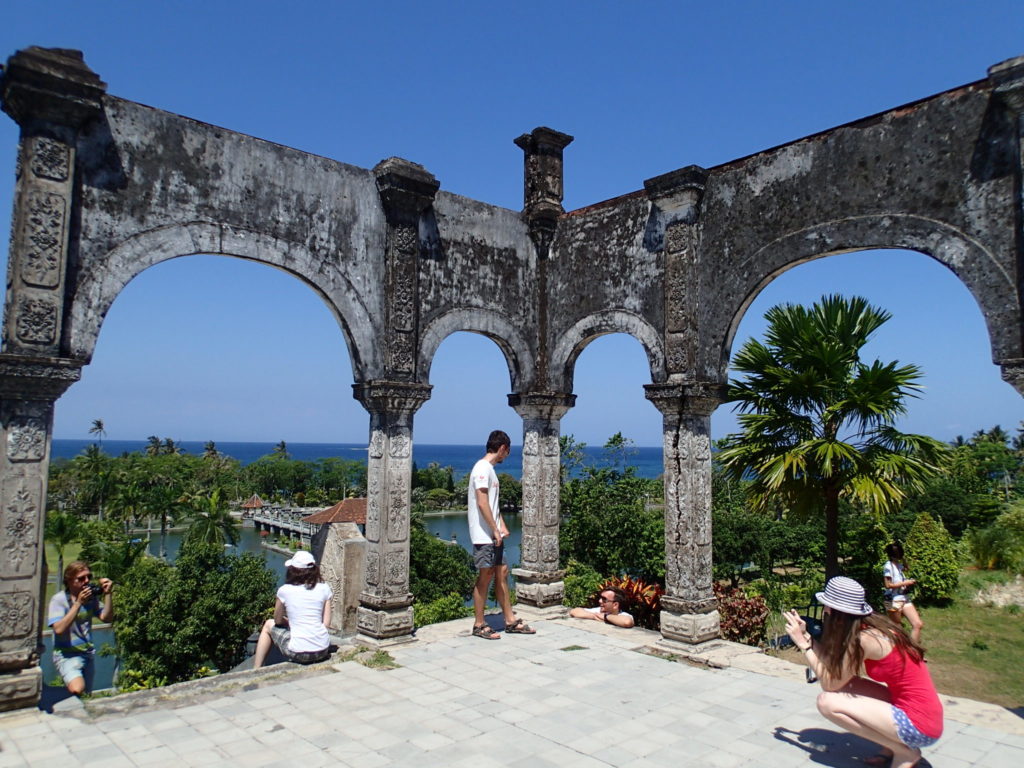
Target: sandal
(517,627)
(485,632)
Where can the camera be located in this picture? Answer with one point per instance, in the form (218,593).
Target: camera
(97,590)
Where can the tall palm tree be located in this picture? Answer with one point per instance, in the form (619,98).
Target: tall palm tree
(61,528)
(211,520)
(818,422)
(153,445)
(98,429)
(96,479)
(281,450)
(210,450)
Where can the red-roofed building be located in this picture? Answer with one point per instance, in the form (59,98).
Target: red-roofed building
(345,511)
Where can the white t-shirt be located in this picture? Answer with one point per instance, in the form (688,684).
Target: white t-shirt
(482,476)
(305,610)
(894,573)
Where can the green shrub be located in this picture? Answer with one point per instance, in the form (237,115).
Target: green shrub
(438,568)
(931,560)
(779,595)
(993,548)
(742,619)
(581,583)
(446,608)
(865,556)
(173,620)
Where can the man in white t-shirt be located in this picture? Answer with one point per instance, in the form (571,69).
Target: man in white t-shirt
(609,609)
(487,531)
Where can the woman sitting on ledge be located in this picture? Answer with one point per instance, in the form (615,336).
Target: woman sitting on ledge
(302,614)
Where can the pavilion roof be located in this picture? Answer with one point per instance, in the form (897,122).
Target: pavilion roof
(345,511)
(253,502)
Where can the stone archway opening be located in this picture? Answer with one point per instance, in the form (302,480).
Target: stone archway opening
(263,361)
(936,324)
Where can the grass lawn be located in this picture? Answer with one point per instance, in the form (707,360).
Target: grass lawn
(974,651)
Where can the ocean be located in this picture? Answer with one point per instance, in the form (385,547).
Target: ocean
(647,460)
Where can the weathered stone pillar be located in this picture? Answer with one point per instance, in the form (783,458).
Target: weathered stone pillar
(28,389)
(340,549)
(1008,79)
(52,95)
(539,579)
(689,612)
(385,611)
(542,183)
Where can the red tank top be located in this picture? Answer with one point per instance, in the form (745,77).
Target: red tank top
(911,688)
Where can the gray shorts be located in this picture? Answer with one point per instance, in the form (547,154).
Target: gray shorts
(281,635)
(488,555)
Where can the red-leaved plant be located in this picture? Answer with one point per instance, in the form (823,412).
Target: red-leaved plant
(742,619)
(643,600)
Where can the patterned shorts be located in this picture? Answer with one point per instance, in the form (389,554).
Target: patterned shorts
(908,732)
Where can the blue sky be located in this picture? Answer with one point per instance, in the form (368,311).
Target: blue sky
(212,348)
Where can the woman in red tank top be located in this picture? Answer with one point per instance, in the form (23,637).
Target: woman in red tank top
(898,708)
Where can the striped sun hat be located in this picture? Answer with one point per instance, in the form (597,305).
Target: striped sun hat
(846,595)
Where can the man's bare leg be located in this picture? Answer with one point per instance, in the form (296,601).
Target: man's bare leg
(501,593)
(483,584)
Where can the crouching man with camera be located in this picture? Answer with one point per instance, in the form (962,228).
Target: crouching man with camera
(70,617)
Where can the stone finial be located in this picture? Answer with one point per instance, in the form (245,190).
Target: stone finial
(542,182)
(406,188)
(1007,77)
(52,85)
(678,193)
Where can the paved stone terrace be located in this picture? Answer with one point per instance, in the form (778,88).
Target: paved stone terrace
(576,695)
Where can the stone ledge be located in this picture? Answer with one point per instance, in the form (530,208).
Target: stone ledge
(196,691)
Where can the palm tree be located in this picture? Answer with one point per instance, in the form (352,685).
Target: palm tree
(817,422)
(98,429)
(153,444)
(211,520)
(210,450)
(281,450)
(96,481)
(61,529)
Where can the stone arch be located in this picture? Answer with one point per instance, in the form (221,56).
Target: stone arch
(100,286)
(517,352)
(568,347)
(984,276)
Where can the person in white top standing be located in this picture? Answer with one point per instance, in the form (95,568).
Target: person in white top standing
(302,614)
(487,531)
(897,604)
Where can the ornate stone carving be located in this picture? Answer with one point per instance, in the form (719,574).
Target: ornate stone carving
(26,439)
(373,567)
(398,515)
(376,448)
(50,159)
(17,613)
(529,548)
(401,446)
(549,549)
(21,534)
(406,240)
(43,237)
(530,444)
(20,689)
(36,321)
(396,567)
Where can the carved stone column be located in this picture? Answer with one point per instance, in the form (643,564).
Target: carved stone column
(28,388)
(689,612)
(539,580)
(51,94)
(385,610)
(406,190)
